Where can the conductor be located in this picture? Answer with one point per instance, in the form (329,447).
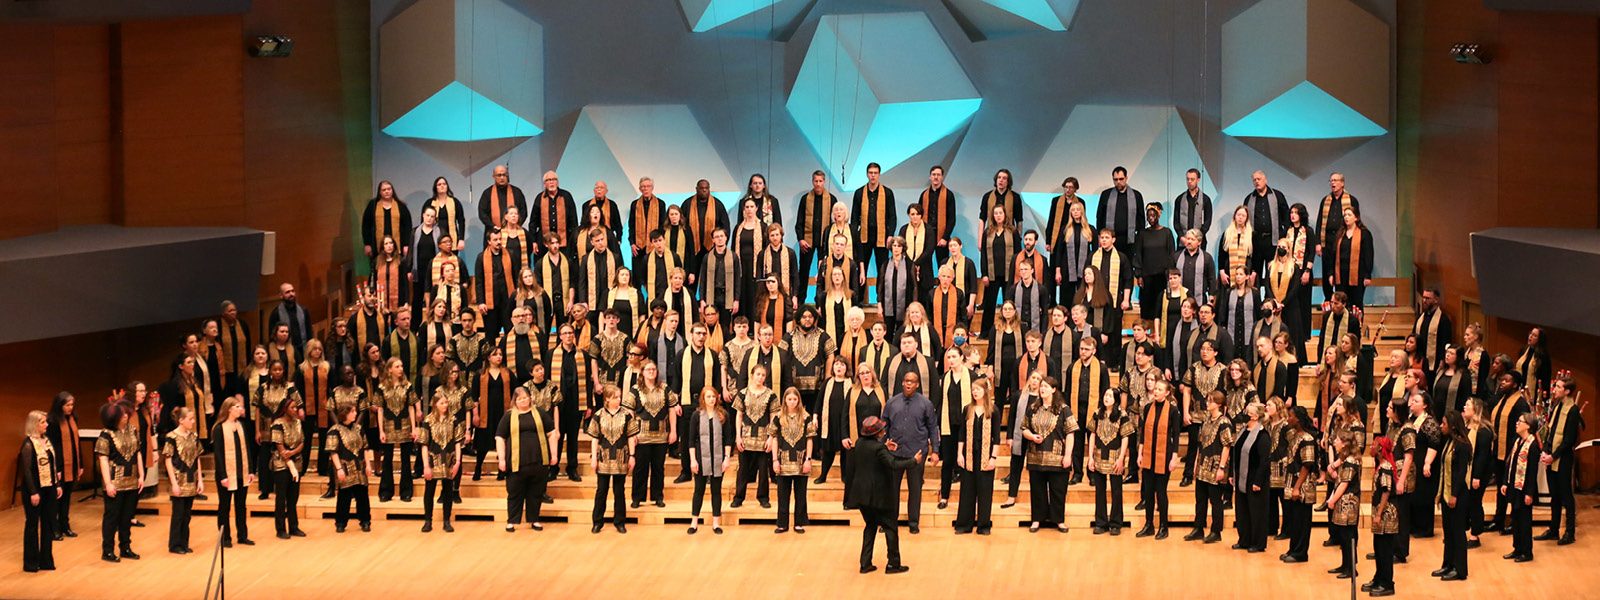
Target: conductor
(873,491)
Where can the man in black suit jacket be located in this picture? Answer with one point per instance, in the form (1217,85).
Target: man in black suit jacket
(872,490)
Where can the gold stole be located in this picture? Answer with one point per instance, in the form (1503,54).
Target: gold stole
(555,278)
(407,349)
(916,243)
(647,218)
(1075,375)
(656,269)
(876,357)
(851,399)
(480,418)
(597,286)
(1502,421)
(557,357)
(497,205)
(937,218)
(1001,254)
(776,260)
(1353,277)
(1239,244)
(945,311)
(772,313)
(286,354)
(1446,485)
(1558,430)
(879,219)
(1112,274)
(555,215)
(952,379)
(445,210)
(235,348)
(1153,449)
(809,208)
(1427,337)
(1060,219)
(708,365)
(41,452)
(921,363)
(386,278)
(508,346)
(362,329)
(677,239)
(195,399)
(718,272)
(851,346)
(1279,274)
(1327,212)
(585,335)
(516,439)
(69,448)
(391,221)
(707,222)
(316,392)
(1334,327)
(714,340)
(486,269)
(1528,364)
(1267,374)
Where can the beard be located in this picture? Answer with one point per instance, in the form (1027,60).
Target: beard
(521,329)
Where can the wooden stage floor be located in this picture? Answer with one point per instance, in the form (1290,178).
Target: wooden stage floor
(481,560)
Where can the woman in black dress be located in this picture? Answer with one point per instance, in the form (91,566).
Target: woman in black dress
(62,432)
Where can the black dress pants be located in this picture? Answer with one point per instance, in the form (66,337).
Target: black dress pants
(39,531)
(792,485)
(611,485)
(178,530)
(1107,491)
(975,505)
(356,494)
(649,467)
(754,465)
(285,515)
(117,522)
(233,501)
(875,519)
(525,490)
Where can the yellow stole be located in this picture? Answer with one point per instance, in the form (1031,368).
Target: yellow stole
(1279,274)
(1112,274)
(235,346)
(962,378)
(946,306)
(316,392)
(647,218)
(940,219)
(1353,274)
(702,222)
(555,216)
(388,225)
(774,367)
(708,365)
(516,439)
(1502,422)
(916,243)
(827,408)
(557,357)
(1075,375)
(445,210)
(487,270)
(872,232)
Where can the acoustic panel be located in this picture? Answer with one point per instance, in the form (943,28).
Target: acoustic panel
(1539,275)
(103,277)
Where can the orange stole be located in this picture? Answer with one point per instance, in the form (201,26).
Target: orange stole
(480,418)
(946,305)
(316,392)
(1153,450)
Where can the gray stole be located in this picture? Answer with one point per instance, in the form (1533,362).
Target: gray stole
(1242,460)
(1077,259)
(710,445)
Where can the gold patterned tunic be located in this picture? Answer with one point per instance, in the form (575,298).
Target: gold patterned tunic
(1278,450)
(443,437)
(611,351)
(808,349)
(267,402)
(1407,444)
(1054,424)
(121,449)
(610,430)
(1238,398)
(183,449)
(756,409)
(343,397)
(1347,511)
(1109,432)
(792,430)
(654,411)
(1216,435)
(350,445)
(394,402)
(1203,380)
(458,405)
(1304,457)
(286,435)
(1387,521)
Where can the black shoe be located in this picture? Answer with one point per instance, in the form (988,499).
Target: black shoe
(58,537)
(868,569)
(914,529)
(284,536)
(455,497)
(1236,545)
(1522,559)
(547,499)
(1366,587)
(1374,556)
(820,480)
(1343,575)
(366,527)
(1161,533)
(263,496)
(716,530)
(500,476)
(984,531)
(1329,543)
(895,569)
(682,478)
(1008,505)
(1566,540)
(573,477)
(297,533)
(70,533)
(449,528)
(780,529)
(227,543)
(764,503)
(1145,531)
(1212,538)
(536,526)
(1098,530)
(128,554)
(327,493)
(1280,537)
(1034,528)
(1549,535)
(944,503)
(404,497)
(1453,576)
(737,502)
(552,475)
(1474,543)
(427,526)
(661,503)
(1115,530)
(136,523)
(596,528)
(1512,555)
(634,504)
(338,529)
(1439,572)
(246,542)
(1400,560)
(1379,592)
(385,497)
(1139,506)
(1194,534)
(620,528)
(1187,481)
(109,557)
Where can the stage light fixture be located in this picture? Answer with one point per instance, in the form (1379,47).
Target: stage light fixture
(271,46)
(1469,54)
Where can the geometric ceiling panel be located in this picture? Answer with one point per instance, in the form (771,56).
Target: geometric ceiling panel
(770,19)
(620,144)
(991,19)
(461,71)
(1305,70)
(1152,142)
(878,88)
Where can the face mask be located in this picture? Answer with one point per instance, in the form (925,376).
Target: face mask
(961,340)
(1283,252)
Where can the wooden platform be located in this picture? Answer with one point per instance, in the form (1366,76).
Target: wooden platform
(481,560)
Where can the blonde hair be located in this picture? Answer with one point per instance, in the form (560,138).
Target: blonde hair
(35,417)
